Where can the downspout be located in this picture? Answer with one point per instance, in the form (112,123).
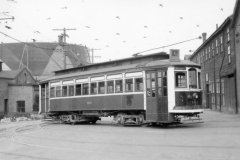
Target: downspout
(220,76)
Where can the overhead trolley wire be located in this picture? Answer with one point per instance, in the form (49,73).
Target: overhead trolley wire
(167,45)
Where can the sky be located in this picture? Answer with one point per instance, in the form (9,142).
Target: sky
(115,29)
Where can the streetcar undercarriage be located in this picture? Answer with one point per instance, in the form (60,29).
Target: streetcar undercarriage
(124,118)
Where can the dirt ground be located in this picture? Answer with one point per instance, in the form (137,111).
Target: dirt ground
(218,138)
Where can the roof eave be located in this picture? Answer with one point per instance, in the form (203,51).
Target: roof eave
(228,19)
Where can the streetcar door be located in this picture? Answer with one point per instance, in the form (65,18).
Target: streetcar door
(157,107)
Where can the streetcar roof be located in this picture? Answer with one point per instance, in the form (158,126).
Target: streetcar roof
(125,68)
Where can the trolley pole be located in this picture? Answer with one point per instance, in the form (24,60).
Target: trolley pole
(63,42)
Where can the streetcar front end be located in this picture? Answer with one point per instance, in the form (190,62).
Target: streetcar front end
(185,97)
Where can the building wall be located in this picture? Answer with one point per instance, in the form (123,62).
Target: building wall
(21,93)
(3,95)
(218,70)
(237,50)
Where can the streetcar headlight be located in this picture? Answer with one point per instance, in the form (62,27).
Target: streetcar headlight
(195,95)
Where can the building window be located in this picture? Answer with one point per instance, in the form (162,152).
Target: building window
(216,46)
(206,54)
(228,34)
(206,77)
(78,89)
(138,84)
(222,88)
(180,80)
(129,85)
(119,86)
(199,80)
(101,87)
(20,106)
(93,88)
(209,52)
(213,49)
(221,43)
(229,54)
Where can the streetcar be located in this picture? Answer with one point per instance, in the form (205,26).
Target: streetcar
(143,89)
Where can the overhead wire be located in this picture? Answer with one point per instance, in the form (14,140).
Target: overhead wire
(167,45)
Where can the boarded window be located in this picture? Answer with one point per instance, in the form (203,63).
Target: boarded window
(20,106)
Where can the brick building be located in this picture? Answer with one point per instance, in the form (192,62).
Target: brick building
(18,92)
(219,57)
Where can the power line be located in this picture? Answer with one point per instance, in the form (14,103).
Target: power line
(52,49)
(33,46)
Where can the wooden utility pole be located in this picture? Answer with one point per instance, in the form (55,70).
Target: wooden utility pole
(92,50)
(63,42)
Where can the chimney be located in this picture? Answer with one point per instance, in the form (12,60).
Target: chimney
(60,39)
(204,37)
(174,55)
(216,26)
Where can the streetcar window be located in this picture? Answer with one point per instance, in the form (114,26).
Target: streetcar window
(58,91)
(192,78)
(153,83)
(85,89)
(101,87)
(52,92)
(110,85)
(71,90)
(93,88)
(119,86)
(139,84)
(64,91)
(129,85)
(148,83)
(180,79)
(78,89)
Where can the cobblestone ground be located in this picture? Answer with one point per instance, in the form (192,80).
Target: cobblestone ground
(218,138)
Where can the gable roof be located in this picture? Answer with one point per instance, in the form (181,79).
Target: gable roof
(10,74)
(37,55)
(13,74)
